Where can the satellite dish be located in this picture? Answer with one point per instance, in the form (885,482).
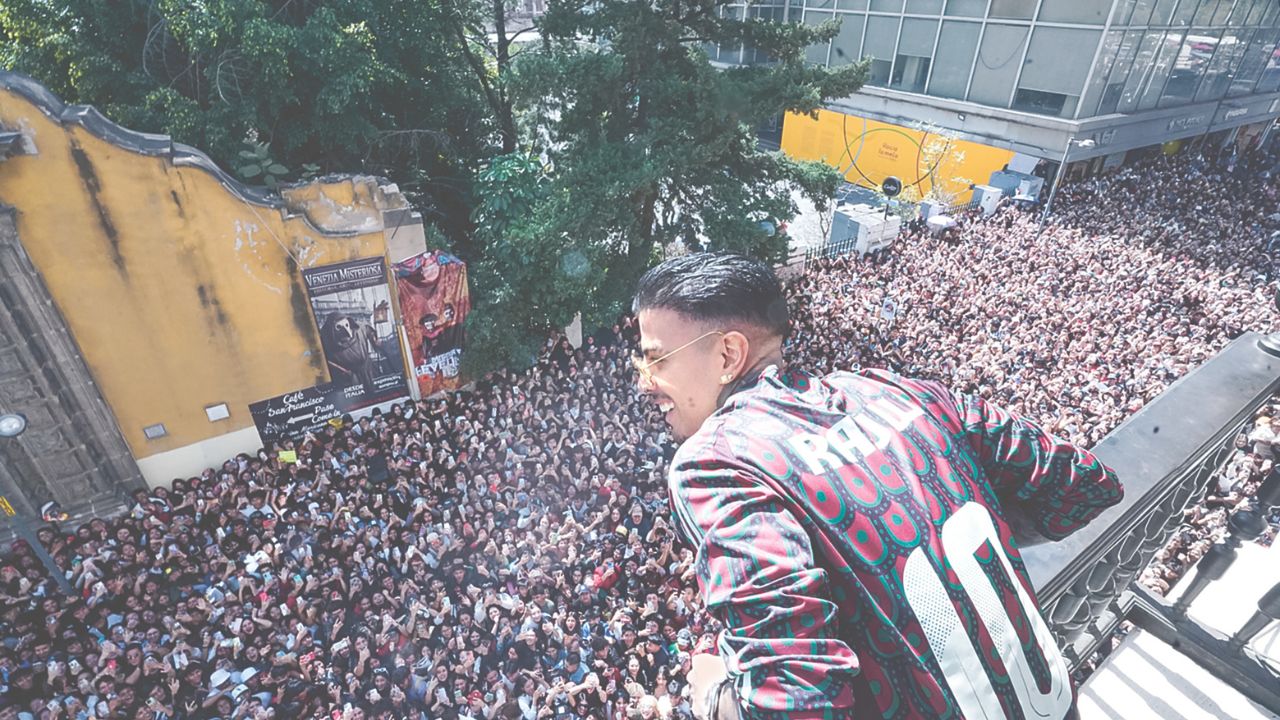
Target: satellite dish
(891,186)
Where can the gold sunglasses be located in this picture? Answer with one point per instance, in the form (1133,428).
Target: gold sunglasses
(645,367)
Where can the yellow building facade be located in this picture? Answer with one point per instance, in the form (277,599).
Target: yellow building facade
(930,164)
(181,287)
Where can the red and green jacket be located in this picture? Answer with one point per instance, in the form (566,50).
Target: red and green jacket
(852,538)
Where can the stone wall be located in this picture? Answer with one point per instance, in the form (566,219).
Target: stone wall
(72,451)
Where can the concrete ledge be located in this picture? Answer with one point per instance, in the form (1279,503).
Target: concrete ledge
(190,460)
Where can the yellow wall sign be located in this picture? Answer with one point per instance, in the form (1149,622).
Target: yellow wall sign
(5,507)
(930,164)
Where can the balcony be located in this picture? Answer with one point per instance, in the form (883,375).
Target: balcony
(1166,455)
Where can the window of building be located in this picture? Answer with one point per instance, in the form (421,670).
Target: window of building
(1270,79)
(1256,9)
(1255,61)
(1185,13)
(1085,12)
(730,54)
(1238,13)
(1267,14)
(1222,12)
(1142,12)
(881,43)
(1217,78)
(847,46)
(997,64)
(1153,85)
(914,55)
(851,4)
(910,73)
(1270,15)
(1012,9)
(1054,71)
(1270,11)
(954,60)
(1119,72)
(753,55)
(1102,69)
(817,52)
(1246,73)
(889,6)
(1142,64)
(1044,103)
(1122,11)
(1204,14)
(1163,12)
(1189,67)
(924,7)
(966,8)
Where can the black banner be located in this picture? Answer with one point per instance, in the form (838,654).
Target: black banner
(294,414)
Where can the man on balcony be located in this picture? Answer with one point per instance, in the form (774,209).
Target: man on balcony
(854,530)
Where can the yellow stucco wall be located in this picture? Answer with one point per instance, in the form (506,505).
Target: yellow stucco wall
(179,293)
(868,151)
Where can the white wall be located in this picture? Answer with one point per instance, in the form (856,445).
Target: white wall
(191,460)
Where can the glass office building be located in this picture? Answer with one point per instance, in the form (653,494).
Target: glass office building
(1035,73)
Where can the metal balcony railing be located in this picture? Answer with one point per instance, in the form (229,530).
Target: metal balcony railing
(1165,455)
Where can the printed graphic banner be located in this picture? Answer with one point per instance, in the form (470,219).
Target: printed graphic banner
(434,301)
(294,414)
(868,151)
(351,302)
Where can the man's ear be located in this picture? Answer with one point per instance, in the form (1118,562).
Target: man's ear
(734,356)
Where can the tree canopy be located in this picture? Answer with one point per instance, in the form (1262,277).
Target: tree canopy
(559,159)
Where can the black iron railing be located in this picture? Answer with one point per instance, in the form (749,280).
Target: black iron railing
(1166,456)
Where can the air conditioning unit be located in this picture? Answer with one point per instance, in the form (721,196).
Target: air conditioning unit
(1014,184)
(987,198)
(929,208)
(861,229)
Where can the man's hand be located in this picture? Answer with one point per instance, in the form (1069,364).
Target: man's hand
(707,671)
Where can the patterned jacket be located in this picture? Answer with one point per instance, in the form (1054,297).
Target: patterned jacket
(853,537)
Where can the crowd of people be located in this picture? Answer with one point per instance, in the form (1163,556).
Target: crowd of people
(506,552)
(500,553)
(1077,322)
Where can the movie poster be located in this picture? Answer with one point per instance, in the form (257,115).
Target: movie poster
(352,306)
(434,301)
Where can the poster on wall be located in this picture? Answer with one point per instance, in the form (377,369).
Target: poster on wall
(297,413)
(351,302)
(434,301)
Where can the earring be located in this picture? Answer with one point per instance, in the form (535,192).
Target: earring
(726,379)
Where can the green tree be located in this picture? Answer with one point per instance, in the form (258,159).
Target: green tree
(370,86)
(559,169)
(642,142)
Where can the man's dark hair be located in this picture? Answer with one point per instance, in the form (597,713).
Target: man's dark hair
(707,287)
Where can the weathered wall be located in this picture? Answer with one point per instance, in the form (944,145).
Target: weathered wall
(181,287)
(72,451)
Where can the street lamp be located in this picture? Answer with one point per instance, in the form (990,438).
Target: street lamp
(13,425)
(1062,170)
